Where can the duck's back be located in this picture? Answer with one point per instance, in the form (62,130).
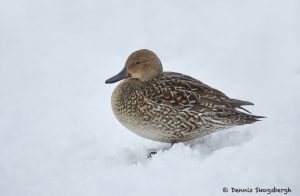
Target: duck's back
(186,93)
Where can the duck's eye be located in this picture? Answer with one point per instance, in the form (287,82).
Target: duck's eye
(137,63)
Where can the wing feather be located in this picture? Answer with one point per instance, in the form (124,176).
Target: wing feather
(184,92)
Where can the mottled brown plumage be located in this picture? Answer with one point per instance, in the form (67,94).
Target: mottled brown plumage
(171,107)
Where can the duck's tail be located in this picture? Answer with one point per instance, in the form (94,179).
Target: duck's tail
(239,103)
(248,119)
(244,118)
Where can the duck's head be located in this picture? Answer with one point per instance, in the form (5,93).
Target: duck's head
(142,64)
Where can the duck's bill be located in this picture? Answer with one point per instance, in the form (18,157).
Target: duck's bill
(120,76)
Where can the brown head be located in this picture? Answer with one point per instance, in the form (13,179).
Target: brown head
(142,64)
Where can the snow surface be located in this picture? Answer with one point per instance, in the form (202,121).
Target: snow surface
(59,137)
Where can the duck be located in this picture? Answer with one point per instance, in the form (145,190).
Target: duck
(171,107)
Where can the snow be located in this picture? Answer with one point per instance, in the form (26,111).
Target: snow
(58,135)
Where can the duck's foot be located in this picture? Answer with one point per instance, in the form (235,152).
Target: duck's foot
(173,144)
(151,154)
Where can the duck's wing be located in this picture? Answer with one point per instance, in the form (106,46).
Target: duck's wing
(186,93)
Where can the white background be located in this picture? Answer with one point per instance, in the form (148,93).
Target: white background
(59,137)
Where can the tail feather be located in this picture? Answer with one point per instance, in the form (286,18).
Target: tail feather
(249,119)
(239,103)
(243,117)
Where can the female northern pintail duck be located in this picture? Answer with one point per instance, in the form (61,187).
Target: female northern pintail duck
(170,107)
